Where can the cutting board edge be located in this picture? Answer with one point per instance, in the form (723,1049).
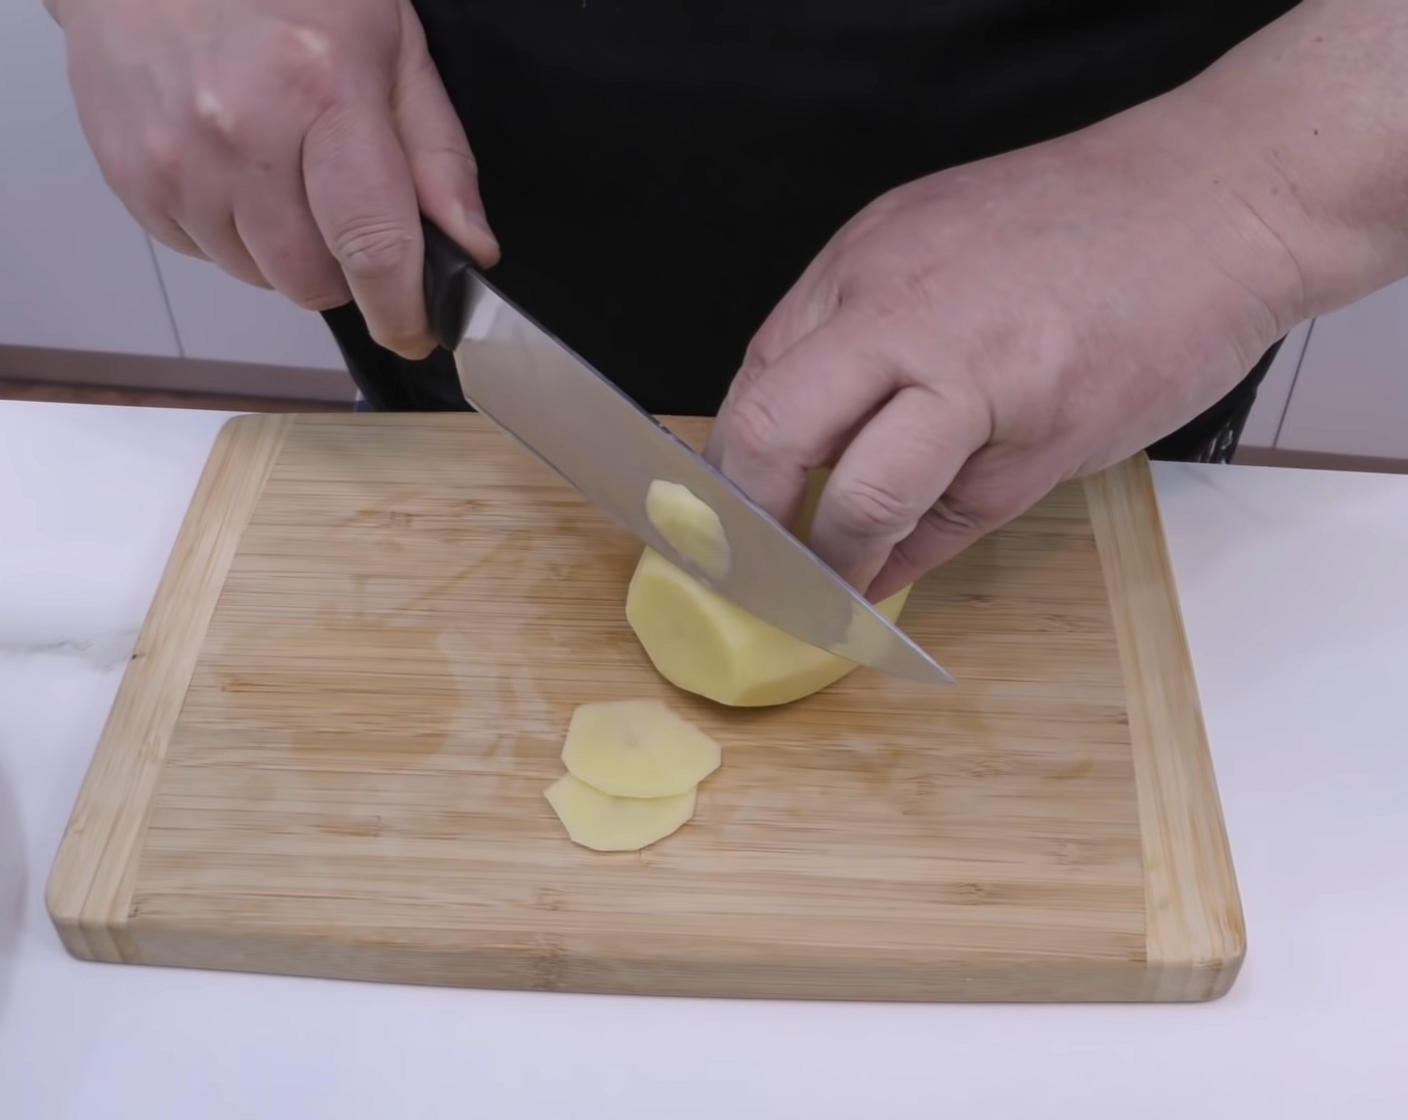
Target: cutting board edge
(89,888)
(544,967)
(1195,926)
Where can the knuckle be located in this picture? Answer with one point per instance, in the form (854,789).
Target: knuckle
(872,509)
(317,290)
(951,515)
(456,155)
(755,429)
(219,116)
(372,248)
(169,233)
(134,166)
(300,71)
(907,292)
(992,495)
(309,277)
(305,63)
(755,361)
(162,162)
(947,527)
(147,188)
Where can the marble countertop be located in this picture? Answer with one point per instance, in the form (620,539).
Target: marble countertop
(1295,590)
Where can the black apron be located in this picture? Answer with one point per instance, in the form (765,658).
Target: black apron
(659,172)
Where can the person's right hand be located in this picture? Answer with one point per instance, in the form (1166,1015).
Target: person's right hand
(294,143)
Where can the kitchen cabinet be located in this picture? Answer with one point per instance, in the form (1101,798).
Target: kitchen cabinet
(76,272)
(1351,393)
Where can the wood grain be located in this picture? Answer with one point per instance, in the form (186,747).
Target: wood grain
(1196,935)
(353,785)
(90,888)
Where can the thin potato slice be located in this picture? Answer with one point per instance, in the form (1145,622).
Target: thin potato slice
(604,823)
(689,525)
(637,748)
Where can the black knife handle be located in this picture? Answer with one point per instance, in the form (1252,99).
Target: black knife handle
(448,274)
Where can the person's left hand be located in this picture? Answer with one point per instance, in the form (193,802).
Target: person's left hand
(974,338)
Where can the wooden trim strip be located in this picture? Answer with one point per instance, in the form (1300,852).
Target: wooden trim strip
(1291,459)
(91,882)
(1194,922)
(332,387)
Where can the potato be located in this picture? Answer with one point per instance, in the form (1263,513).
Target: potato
(702,643)
(637,748)
(691,527)
(604,823)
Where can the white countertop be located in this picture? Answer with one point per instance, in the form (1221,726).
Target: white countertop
(1295,590)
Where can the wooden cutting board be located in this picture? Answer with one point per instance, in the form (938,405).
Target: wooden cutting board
(328,755)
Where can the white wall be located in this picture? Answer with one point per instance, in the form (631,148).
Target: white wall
(75,271)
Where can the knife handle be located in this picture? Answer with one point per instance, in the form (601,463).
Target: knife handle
(448,276)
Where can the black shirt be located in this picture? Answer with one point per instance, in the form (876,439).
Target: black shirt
(659,172)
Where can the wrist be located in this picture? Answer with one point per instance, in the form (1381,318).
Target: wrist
(1244,209)
(1208,206)
(1305,127)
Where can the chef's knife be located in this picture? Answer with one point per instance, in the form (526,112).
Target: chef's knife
(610,449)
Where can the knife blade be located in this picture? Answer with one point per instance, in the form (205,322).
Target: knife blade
(577,422)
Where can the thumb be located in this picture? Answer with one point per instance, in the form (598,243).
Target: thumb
(442,165)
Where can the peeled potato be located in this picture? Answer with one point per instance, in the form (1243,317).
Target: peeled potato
(691,527)
(604,823)
(700,642)
(637,748)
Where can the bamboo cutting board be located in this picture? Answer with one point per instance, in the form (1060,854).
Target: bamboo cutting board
(328,755)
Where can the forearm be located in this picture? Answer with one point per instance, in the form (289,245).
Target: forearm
(1309,126)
